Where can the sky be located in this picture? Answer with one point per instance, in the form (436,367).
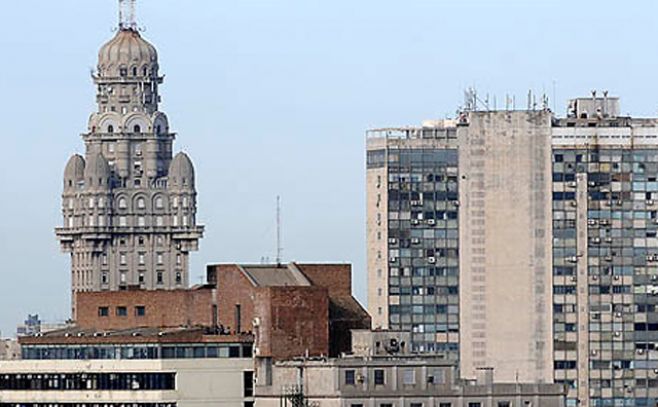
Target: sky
(273,98)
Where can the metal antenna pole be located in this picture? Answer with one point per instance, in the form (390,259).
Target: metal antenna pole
(279,249)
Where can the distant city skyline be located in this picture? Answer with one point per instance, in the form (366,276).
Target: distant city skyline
(274,98)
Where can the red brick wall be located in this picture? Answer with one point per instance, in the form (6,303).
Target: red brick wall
(233,288)
(294,321)
(163,309)
(337,278)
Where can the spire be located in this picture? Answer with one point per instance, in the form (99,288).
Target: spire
(127,17)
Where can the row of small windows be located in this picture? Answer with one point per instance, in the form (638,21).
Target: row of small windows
(89,381)
(122,311)
(134,351)
(91,221)
(141,279)
(136,129)
(140,202)
(134,71)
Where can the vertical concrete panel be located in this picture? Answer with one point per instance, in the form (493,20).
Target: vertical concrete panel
(505,249)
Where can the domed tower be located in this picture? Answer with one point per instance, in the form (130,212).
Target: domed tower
(129,209)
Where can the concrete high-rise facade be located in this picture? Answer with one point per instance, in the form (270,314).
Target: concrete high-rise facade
(129,206)
(524,242)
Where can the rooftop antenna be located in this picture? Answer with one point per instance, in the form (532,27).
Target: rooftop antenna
(279,249)
(127,15)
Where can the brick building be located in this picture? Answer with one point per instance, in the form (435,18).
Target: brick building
(292,310)
(286,303)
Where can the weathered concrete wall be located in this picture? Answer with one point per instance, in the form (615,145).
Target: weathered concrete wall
(505,239)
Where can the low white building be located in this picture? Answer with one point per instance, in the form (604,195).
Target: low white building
(173,382)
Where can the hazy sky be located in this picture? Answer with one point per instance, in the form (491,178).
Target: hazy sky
(274,97)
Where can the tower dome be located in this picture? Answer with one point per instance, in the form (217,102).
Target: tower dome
(97,172)
(75,171)
(127,54)
(181,171)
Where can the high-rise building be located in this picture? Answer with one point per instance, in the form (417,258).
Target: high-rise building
(129,208)
(525,242)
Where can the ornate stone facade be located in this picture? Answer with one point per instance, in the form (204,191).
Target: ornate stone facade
(129,208)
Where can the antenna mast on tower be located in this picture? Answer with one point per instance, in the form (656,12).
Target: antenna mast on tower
(279,249)
(127,15)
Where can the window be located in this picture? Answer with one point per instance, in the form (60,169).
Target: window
(179,277)
(185,202)
(504,404)
(175,221)
(91,203)
(159,277)
(159,203)
(179,260)
(110,148)
(122,259)
(415,404)
(140,278)
(141,221)
(122,311)
(174,202)
(123,204)
(379,377)
(159,221)
(101,221)
(104,278)
(103,312)
(122,277)
(141,259)
(123,221)
(140,311)
(350,377)
(476,404)
(110,129)
(386,405)
(141,203)
(409,376)
(248,384)
(160,258)
(445,404)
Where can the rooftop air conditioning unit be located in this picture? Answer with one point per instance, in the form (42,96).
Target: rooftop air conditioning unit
(414,221)
(596,240)
(431,222)
(572,259)
(256,322)
(393,259)
(572,184)
(608,258)
(431,260)
(650,202)
(616,278)
(608,240)
(591,184)
(392,240)
(592,222)
(574,203)
(415,240)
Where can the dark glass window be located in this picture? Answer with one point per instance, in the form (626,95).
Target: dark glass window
(103,311)
(140,311)
(350,377)
(379,377)
(122,311)
(248,383)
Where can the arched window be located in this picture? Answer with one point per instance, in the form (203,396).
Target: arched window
(110,129)
(123,204)
(141,203)
(158,130)
(146,71)
(159,203)
(135,71)
(137,129)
